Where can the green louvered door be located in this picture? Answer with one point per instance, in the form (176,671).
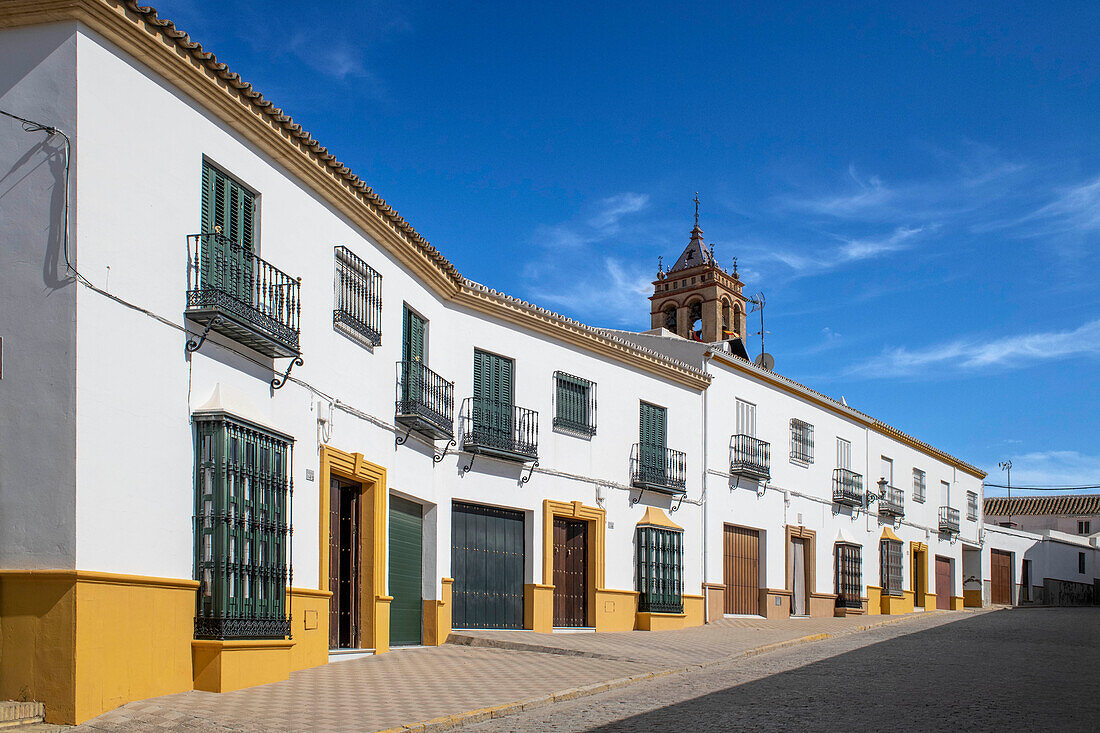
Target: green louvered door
(651,448)
(487,560)
(226,261)
(492,404)
(406,574)
(412,355)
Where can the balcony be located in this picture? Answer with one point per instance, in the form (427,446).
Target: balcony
(847,487)
(425,401)
(750,457)
(949,520)
(235,293)
(653,468)
(500,430)
(891,501)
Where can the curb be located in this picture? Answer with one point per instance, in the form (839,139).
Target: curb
(448,722)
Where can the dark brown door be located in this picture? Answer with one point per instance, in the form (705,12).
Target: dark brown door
(343,566)
(943,583)
(1025,581)
(1000,566)
(570,572)
(741,569)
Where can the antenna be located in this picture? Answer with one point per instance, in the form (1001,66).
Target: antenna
(758,302)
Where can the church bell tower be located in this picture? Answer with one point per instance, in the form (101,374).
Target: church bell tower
(697,299)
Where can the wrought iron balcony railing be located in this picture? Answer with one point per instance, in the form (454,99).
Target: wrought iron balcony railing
(232,291)
(658,469)
(750,457)
(425,401)
(891,501)
(847,487)
(949,520)
(500,429)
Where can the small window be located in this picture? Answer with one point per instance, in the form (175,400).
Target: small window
(357,308)
(849,576)
(918,485)
(972,506)
(1084,527)
(887,470)
(945,493)
(843,454)
(802,441)
(574,404)
(890,552)
(1081,562)
(660,570)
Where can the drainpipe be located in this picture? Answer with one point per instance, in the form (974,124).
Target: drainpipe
(703,497)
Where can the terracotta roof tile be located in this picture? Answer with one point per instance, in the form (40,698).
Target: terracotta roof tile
(1059,504)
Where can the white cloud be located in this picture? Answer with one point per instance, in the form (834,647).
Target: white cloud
(1049,468)
(862,195)
(976,354)
(848,252)
(614,208)
(1073,209)
(610,294)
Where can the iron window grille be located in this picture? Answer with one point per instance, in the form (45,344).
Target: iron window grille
(802,441)
(890,555)
(849,576)
(242,522)
(918,485)
(971,506)
(574,404)
(660,570)
(358,298)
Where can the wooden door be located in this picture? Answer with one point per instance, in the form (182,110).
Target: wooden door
(920,581)
(741,570)
(406,571)
(1025,581)
(799,601)
(1000,566)
(944,586)
(487,560)
(343,571)
(570,572)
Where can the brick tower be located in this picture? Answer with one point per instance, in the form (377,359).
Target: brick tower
(696,298)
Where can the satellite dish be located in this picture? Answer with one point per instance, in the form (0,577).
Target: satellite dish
(765,361)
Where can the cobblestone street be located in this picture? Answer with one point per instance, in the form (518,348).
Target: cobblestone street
(1013,669)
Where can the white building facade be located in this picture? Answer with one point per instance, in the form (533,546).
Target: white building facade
(250,417)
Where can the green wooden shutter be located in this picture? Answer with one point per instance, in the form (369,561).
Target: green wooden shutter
(227,259)
(412,347)
(493,390)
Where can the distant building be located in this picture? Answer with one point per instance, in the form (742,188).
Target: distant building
(1077,514)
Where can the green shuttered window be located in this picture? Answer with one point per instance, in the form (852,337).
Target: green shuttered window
(242,522)
(574,404)
(660,570)
(228,218)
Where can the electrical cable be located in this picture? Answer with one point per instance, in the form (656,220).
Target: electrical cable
(1043,488)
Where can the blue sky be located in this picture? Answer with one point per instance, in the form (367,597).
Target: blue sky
(915,189)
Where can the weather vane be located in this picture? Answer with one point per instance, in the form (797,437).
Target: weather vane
(660,264)
(696,208)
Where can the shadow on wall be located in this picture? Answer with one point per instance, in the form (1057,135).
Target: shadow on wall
(970,666)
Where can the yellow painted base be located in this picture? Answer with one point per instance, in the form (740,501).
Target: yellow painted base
(648,621)
(86,642)
(223,666)
(957,603)
(874,600)
(615,609)
(891,605)
(538,607)
(309,627)
(437,616)
(695,609)
(972,598)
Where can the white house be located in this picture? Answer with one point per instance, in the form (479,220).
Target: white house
(250,420)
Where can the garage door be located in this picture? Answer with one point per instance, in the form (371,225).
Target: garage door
(741,570)
(406,571)
(944,586)
(487,563)
(1000,566)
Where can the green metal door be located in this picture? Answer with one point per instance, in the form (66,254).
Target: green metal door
(406,571)
(493,395)
(651,438)
(487,560)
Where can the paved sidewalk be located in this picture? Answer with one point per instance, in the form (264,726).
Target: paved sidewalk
(411,686)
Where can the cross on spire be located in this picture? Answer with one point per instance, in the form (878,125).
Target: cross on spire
(696,208)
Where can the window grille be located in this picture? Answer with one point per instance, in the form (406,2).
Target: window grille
(660,570)
(972,506)
(918,485)
(242,520)
(802,441)
(358,298)
(574,404)
(890,553)
(849,576)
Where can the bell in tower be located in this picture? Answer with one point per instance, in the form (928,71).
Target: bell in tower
(696,299)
